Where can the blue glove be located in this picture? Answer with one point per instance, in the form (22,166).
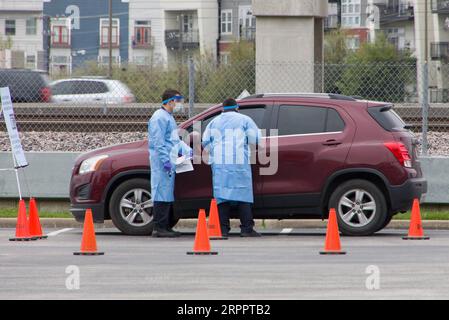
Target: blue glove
(191,154)
(168,167)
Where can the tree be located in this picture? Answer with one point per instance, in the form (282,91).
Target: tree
(378,71)
(335,48)
(335,54)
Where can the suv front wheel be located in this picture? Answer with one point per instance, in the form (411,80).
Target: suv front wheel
(131,208)
(361,207)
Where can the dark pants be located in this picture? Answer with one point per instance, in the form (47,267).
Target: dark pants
(161,214)
(246,216)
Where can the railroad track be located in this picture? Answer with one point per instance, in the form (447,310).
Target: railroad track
(134,118)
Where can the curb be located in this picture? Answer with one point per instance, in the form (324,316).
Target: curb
(260,224)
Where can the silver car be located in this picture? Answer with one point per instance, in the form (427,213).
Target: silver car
(91,90)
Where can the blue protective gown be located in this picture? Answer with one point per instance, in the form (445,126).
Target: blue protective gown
(164,145)
(227,139)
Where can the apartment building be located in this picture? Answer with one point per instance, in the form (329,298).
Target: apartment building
(333,21)
(236,23)
(21,34)
(397,22)
(78,32)
(170,30)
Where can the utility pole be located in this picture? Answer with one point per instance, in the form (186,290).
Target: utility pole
(110,39)
(426,31)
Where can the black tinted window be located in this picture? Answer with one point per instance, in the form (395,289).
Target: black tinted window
(387,118)
(334,122)
(301,120)
(307,120)
(89,87)
(62,88)
(257,114)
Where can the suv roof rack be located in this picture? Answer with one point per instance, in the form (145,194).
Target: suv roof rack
(333,96)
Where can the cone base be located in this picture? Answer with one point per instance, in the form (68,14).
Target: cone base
(202,253)
(332,252)
(416,238)
(23,239)
(41,237)
(218,238)
(88,253)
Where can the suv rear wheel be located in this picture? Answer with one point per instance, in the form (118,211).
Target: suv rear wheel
(131,207)
(361,207)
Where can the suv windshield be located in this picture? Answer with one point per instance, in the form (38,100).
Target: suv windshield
(387,118)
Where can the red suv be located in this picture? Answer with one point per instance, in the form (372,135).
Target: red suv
(333,152)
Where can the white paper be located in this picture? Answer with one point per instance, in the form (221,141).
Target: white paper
(183,164)
(10,120)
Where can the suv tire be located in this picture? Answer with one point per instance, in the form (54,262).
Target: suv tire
(361,207)
(126,201)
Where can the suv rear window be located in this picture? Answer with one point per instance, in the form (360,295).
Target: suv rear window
(295,120)
(387,118)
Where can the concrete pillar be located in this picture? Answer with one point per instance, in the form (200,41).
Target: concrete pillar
(289,45)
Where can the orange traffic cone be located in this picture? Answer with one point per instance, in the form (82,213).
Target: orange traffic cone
(332,245)
(88,243)
(213,225)
(22,226)
(416,231)
(202,243)
(35,224)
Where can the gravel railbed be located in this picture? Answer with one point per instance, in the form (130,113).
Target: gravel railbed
(86,141)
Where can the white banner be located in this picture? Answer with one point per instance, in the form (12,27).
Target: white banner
(10,120)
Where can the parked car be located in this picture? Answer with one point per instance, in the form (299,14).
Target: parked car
(334,152)
(91,90)
(26,85)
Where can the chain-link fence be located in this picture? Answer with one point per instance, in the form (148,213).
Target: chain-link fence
(89,109)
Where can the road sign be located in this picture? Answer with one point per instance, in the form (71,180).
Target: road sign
(10,120)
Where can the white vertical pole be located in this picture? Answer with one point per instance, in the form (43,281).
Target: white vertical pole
(16,170)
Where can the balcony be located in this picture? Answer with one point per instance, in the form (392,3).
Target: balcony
(401,12)
(439,51)
(174,39)
(248,34)
(440,6)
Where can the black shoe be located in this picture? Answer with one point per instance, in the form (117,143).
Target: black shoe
(176,232)
(252,234)
(161,233)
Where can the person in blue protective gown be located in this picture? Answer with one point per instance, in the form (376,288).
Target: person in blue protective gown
(165,147)
(227,138)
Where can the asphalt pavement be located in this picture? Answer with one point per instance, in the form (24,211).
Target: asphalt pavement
(283,264)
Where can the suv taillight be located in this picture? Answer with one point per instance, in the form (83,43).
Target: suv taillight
(46,94)
(400,152)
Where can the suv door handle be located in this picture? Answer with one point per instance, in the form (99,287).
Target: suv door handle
(332,142)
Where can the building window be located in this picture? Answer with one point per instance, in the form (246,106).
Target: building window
(353,42)
(104,32)
(226,22)
(10,27)
(60,35)
(142,34)
(224,58)
(31,26)
(31,61)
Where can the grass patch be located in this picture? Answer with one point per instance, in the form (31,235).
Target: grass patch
(426,215)
(12,213)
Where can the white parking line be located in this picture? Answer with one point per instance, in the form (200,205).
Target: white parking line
(286,230)
(55,233)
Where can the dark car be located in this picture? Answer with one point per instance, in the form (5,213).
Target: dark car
(333,152)
(26,85)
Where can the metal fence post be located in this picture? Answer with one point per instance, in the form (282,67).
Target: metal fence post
(191,86)
(425,107)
